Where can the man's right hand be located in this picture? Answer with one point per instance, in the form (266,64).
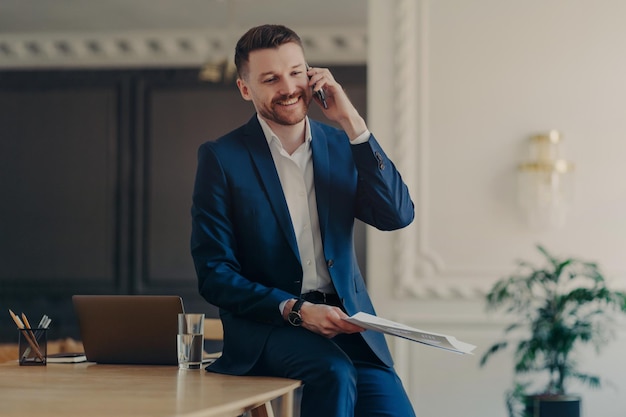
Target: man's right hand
(323,319)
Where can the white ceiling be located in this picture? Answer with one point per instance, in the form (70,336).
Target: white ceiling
(45,16)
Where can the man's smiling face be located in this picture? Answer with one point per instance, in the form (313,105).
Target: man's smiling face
(277,84)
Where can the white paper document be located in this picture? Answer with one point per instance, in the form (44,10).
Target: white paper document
(441,341)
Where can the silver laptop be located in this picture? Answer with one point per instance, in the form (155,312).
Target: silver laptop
(129,329)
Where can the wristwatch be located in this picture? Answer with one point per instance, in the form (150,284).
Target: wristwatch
(294,317)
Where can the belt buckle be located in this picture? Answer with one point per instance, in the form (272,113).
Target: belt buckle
(324,298)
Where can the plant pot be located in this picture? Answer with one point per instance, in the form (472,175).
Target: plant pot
(552,405)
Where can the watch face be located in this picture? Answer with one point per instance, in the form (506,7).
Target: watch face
(295,318)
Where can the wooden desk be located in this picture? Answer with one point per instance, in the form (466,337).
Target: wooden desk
(90,390)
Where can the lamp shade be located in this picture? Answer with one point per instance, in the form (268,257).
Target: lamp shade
(546,183)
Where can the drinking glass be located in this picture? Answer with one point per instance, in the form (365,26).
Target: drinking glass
(190,340)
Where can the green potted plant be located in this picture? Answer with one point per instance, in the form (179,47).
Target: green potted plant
(555,308)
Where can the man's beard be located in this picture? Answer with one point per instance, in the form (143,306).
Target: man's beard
(290,117)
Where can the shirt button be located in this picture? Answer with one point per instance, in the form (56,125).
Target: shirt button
(308,262)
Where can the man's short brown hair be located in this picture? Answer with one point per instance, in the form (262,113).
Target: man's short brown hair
(261,37)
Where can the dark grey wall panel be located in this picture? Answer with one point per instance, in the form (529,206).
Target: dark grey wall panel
(58,185)
(179,122)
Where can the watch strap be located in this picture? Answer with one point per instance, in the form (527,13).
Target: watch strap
(297,305)
(294,317)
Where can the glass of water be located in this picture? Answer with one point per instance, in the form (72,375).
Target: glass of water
(190,340)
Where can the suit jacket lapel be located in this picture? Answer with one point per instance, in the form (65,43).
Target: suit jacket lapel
(321,169)
(256,143)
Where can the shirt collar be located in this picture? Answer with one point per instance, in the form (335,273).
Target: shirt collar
(270,136)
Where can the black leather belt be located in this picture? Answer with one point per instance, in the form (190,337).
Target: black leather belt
(317,297)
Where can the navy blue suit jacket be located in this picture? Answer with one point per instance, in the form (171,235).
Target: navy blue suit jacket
(243,244)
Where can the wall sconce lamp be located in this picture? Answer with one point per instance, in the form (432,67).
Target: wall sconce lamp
(546,183)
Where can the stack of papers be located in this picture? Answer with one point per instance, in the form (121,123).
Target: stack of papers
(441,341)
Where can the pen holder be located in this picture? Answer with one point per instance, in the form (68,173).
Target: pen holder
(33,347)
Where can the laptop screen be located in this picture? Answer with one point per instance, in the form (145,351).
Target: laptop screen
(129,329)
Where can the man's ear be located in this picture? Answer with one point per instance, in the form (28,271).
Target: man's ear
(243,89)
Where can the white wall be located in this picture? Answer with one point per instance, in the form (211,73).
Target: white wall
(456,88)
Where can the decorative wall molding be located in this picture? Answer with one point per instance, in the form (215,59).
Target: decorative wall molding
(414,265)
(162,49)
(419,272)
(405,125)
(445,289)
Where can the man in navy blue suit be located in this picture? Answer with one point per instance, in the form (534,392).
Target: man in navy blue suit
(274,206)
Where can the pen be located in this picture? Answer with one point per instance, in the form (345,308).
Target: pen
(28,326)
(31,342)
(43,324)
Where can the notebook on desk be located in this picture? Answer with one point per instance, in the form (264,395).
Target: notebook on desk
(129,329)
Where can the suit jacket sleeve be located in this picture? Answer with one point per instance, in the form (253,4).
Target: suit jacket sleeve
(383,199)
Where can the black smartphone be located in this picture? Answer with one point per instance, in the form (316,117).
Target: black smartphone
(319,93)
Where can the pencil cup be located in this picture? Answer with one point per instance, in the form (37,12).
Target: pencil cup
(190,340)
(33,347)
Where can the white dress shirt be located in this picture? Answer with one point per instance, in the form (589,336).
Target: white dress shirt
(295,172)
